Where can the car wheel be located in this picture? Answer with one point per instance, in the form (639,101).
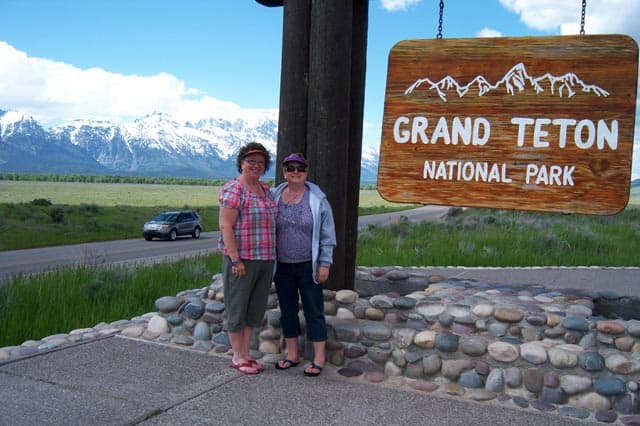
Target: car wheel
(146,237)
(173,235)
(196,233)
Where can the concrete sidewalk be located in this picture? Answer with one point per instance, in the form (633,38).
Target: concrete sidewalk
(120,381)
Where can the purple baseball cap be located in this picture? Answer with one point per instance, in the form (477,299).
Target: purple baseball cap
(295,158)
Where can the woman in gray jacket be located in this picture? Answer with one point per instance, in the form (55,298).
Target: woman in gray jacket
(305,239)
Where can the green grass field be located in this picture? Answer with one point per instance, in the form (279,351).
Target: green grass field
(149,195)
(108,194)
(45,213)
(137,195)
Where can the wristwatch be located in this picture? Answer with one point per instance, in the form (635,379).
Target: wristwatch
(235,262)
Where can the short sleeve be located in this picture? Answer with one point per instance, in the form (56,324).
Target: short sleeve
(230,194)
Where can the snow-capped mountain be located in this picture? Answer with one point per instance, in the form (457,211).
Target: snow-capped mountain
(158,145)
(25,146)
(155,145)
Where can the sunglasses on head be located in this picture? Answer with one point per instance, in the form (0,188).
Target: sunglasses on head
(292,169)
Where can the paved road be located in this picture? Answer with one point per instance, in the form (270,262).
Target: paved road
(101,253)
(138,250)
(420,214)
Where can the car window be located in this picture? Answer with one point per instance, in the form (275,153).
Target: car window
(176,217)
(166,217)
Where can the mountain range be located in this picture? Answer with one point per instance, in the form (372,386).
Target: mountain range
(154,145)
(517,79)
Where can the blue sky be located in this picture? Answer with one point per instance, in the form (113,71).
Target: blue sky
(122,59)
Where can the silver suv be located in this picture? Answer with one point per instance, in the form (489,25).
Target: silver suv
(169,225)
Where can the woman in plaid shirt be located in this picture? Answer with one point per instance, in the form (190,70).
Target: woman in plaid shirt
(248,244)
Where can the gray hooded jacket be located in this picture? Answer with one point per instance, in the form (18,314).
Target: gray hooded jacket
(323,239)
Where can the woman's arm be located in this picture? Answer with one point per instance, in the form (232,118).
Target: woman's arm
(327,233)
(226,221)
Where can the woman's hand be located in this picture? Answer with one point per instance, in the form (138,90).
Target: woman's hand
(239,270)
(322,274)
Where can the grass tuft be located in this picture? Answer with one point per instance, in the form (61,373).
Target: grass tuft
(505,239)
(33,307)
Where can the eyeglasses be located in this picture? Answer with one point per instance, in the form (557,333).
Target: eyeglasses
(291,169)
(255,162)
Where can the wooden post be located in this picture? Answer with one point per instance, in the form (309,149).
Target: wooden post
(329,118)
(360,21)
(294,83)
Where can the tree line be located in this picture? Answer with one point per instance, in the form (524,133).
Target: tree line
(158,180)
(112,179)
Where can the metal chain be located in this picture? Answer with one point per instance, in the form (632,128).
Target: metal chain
(584,10)
(439,36)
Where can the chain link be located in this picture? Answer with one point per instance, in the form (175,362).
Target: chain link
(584,10)
(439,36)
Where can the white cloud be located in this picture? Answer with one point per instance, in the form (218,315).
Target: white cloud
(601,17)
(613,17)
(546,15)
(207,107)
(54,92)
(488,32)
(396,5)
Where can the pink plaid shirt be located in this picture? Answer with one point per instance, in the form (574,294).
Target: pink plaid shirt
(255,229)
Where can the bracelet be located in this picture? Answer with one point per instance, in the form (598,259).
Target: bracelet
(235,262)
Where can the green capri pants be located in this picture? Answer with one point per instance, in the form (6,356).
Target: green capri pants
(245,298)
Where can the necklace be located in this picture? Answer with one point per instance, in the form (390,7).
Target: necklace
(289,197)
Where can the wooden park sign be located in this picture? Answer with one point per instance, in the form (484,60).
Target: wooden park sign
(527,123)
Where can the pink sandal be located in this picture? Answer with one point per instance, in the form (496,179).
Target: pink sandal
(255,364)
(244,368)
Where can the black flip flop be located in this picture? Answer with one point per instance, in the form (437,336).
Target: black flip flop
(287,364)
(314,366)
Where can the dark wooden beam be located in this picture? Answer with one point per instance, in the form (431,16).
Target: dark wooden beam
(294,81)
(271,3)
(329,120)
(360,24)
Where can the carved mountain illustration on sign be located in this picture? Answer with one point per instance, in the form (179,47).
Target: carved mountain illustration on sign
(515,80)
